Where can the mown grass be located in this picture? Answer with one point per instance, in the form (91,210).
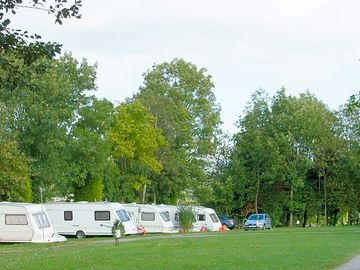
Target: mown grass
(301,248)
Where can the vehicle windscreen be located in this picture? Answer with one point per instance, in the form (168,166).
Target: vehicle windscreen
(256,217)
(165,216)
(123,215)
(214,218)
(41,220)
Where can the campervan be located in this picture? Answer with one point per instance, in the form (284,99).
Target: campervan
(206,218)
(151,217)
(88,218)
(26,222)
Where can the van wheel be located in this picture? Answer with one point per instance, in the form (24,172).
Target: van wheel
(80,234)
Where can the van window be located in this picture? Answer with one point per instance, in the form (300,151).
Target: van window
(16,220)
(102,215)
(68,215)
(214,218)
(123,215)
(201,217)
(147,216)
(165,216)
(41,220)
(177,216)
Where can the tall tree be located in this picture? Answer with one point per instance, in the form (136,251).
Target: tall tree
(180,97)
(43,99)
(254,154)
(136,142)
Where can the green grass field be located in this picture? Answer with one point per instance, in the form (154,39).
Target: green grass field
(300,248)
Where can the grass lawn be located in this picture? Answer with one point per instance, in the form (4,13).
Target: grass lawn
(300,248)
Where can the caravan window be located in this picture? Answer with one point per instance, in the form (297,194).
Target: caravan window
(16,220)
(147,216)
(68,215)
(165,216)
(102,215)
(41,220)
(123,215)
(201,217)
(214,218)
(177,216)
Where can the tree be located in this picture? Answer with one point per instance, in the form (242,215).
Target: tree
(14,165)
(28,45)
(180,97)
(90,151)
(136,142)
(43,99)
(254,153)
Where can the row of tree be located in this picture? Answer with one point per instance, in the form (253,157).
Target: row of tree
(295,159)
(291,157)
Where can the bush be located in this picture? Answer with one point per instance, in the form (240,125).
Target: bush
(118,226)
(186,217)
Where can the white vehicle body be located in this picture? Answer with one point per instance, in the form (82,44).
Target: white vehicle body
(88,218)
(26,222)
(151,217)
(206,217)
(172,212)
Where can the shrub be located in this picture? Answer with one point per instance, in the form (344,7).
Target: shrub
(186,217)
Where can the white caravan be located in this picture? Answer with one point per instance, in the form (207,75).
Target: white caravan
(88,218)
(26,222)
(206,217)
(151,217)
(172,212)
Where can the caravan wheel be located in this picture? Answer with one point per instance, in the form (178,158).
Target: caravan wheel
(80,234)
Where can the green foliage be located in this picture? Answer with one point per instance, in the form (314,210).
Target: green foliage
(180,97)
(14,173)
(118,226)
(136,143)
(186,217)
(30,46)
(92,191)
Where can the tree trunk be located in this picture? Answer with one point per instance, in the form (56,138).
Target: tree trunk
(325,201)
(144,194)
(305,218)
(257,190)
(291,201)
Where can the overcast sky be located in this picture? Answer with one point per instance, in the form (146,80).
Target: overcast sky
(245,45)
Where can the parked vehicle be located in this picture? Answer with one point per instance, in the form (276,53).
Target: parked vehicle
(26,222)
(206,217)
(88,218)
(258,221)
(152,218)
(172,212)
(228,222)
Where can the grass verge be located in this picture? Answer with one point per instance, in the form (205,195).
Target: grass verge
(300,248)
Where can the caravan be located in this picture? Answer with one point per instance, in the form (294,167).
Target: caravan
(206,217)
(172,212)
(150,217)
(88,218)
(26,222)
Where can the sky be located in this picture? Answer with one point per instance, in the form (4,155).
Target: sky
(301,45)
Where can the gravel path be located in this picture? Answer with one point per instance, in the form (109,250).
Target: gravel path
(353,264)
